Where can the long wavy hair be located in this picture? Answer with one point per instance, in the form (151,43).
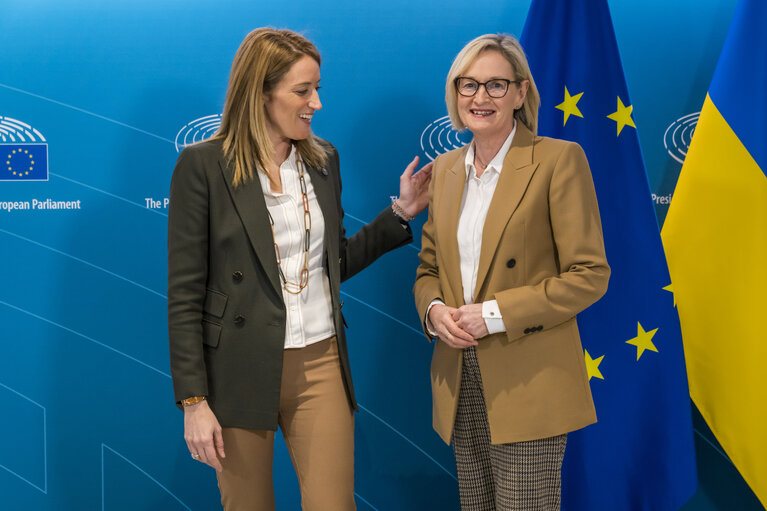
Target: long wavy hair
(262,60)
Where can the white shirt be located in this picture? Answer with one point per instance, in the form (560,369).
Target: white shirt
(477,195)
(309,313)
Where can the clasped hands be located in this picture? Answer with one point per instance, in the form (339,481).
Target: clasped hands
(458,328)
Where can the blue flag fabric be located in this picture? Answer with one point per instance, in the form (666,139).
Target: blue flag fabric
(640,455)
(24,162)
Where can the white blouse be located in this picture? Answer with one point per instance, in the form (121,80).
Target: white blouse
(477,195)
(310,312)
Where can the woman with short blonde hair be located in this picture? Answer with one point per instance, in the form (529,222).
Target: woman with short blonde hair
(512,251)
(512,51)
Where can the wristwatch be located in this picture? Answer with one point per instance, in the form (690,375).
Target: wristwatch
(192,400)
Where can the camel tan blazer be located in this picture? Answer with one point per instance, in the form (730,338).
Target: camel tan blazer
(543,260)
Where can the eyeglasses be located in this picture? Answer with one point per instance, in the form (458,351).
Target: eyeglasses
(495,88)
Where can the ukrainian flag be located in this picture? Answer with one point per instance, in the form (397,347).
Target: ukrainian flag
(715,237)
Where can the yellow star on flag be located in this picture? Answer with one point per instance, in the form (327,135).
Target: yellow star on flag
(622,116)
(643,340)
(592,366)
(670,289)
(570,105)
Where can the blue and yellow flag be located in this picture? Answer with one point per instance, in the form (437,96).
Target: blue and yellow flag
(715,236)
(24,162)
(640,455)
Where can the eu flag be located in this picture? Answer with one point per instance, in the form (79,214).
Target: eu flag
(640,455)
(24,162)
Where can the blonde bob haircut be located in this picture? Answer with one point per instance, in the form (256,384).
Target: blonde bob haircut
(262,60)
(512,51)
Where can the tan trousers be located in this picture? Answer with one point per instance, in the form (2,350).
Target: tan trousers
(318,425)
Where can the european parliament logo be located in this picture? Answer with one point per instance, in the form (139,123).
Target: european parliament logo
(678,136)
(440,137)
(197,131)
(23,152)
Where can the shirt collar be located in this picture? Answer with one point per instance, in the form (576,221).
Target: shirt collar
(291,163)
(292,157)
(496,164)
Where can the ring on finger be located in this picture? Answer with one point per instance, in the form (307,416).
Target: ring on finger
(195,456)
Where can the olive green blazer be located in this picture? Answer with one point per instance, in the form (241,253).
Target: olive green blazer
(543,260)
(226,315)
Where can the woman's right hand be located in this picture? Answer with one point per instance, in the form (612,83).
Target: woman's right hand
(202,433)
(441,318)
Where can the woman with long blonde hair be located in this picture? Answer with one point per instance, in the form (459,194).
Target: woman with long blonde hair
(256,255)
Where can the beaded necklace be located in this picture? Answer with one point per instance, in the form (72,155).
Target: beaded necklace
(295,288)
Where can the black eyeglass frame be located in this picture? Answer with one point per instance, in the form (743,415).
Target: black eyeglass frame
(484,84)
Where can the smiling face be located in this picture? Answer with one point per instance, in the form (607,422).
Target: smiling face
(291,104)
(483,115)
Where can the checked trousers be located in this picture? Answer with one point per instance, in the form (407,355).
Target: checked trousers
(520,476)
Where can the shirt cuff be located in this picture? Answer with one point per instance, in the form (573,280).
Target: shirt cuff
(429,326)
(492,316)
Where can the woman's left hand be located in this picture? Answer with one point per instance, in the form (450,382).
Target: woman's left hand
(414,188)
(469,319)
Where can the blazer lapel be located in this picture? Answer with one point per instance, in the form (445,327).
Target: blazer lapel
(323,190)
(518,169)
(447,223)
(249,201)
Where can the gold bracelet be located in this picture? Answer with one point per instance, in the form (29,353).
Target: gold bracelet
(397,209)
(192,400)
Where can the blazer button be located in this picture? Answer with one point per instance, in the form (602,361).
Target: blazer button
(539,328)
(527,330)
(511,263)
(237,276)
(239,319)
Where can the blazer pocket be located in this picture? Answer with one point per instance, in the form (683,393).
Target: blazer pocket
(215,303)
(211,333)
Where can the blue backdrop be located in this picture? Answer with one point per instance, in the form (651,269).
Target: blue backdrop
(102,94)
